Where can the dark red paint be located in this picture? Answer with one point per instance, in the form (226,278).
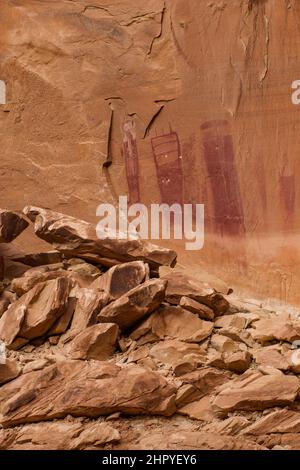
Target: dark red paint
(131,157)
(228,215)
(168,160)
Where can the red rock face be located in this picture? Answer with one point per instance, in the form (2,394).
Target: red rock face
(191,101)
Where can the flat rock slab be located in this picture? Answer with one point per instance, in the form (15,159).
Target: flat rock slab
(88,389)
(135,304)
(60,435)
(77,238)
(256,392)
(180,285)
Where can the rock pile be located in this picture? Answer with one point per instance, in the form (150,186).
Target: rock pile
(103,352)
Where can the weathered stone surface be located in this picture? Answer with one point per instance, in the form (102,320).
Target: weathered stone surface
(174,352)
(223,344)
(59,435)
(269,356)
(202,382)
(11,225)
(89,304)
(135,304)
(121,278)
(202,310)
(201,410)
(279,421)
(74,237)
(231,321)
(237,362)
(95,342)
(9,371)
(180,285)
(198,441)
(230,426)
(35,312)
(34,276)
(256,392)
(174,322)
(280,328)
(85,389)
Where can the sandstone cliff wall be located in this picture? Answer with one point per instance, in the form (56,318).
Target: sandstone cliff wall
(206,83)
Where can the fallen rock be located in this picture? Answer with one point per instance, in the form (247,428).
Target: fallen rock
(180,285)
(34,276)
(88,389)
(11,225)
(74,237)
(257,392)
(223,344)
(231,321)
(9,371)
(35,312)
(95,342)
(184,440)
(121,278)
(280,328)
(174,352)
(237,362)
(269,356)
(176,323)
(202,382)
(135,304)
(201,310)
(60,435)
(231,426)
(89,304)
(201,410)
(279,421)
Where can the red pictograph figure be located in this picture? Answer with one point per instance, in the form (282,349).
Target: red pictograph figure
(287,187)
(131,157)
(168,160)
(228,215)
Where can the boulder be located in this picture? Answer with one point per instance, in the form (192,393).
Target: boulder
(9,371)
(135,304)
(176,323)
(201,310)
(174,352)
(89,304)
(279,421)
(60,435)
(257,392)
(35,313)
(34,276)
(95,342)
(88,389)
(279,327)
(180,285)
(74,237)
(121,278)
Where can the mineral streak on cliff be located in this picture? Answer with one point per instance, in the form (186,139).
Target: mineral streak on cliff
(162,61)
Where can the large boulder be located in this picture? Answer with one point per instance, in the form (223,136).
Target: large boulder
(121,278)
(36,312)
(95,342)
(88,389)
(74,237)
(135,304)
(180,285)
(254,391)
